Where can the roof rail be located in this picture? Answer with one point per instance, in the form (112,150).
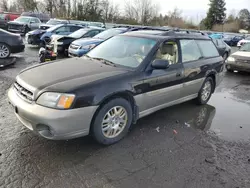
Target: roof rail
(186,31)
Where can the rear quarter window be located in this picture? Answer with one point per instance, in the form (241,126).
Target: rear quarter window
(208,48)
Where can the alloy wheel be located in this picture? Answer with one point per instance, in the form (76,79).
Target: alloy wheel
(4,51)
(114,121)
(206,91)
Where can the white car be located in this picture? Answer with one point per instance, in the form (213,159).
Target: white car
(243,41)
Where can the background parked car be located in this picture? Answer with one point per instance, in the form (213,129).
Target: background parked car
(53,22)
(216,36)
(243,41)
(41,16)
(23,24)
(239,60)
(81,46)
(10,43)
(223,48)
(60,44)
(6,17)
(42,37)
(232,40)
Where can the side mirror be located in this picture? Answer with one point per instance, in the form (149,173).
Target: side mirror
(31,22)
(160,64)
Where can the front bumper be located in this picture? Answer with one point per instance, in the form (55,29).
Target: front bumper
(234,65)
(17,49)
(51,123)
(33,39)
(77,52)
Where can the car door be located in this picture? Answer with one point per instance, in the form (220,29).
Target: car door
(34,23)
(162,86)
(199,58)
(193,61)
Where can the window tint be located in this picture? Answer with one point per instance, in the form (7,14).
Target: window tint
(208,48)
(168,51)
(93,33)
(190,50)
(74,28)
(221,43)
(35,20)
(63,29)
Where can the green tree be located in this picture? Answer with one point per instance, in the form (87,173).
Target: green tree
(216,13)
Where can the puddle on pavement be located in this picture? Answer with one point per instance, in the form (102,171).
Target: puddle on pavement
(232,118)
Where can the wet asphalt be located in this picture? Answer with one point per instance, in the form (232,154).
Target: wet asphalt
(184,146)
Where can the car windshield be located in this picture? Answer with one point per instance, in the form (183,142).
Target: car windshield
(2,16)
(108,33)
(245,47)
(23,19)
(55,22)
(123,50)
(228,36)
(53,28)
(79,33)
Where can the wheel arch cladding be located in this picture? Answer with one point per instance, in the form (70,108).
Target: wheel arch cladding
(127,95)
(212,75)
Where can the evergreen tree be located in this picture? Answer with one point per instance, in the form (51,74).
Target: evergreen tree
(216,13)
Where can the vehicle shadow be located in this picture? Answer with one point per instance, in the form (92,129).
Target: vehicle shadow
(51,156)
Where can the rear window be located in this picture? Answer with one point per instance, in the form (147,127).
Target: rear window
(208,48)
(2,16)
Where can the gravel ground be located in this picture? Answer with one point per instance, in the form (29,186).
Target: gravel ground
(185,146)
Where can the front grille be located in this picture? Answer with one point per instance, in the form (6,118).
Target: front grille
(243,61)
(16,27)
(74,47)
(23,92)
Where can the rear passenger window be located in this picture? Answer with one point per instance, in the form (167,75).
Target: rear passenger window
(208,48)
(190,51)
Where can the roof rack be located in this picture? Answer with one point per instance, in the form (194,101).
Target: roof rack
(184,31)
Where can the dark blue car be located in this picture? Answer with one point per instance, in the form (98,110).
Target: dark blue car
(232,40)
(80,47)
(41,37)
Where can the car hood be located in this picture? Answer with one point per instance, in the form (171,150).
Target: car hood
(241,55)
(66,75)
(36,32)
(87,41)
(16,23)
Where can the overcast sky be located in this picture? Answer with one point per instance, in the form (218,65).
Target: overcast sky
(195,9)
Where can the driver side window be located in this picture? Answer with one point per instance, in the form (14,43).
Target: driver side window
(62,29)
(168,51)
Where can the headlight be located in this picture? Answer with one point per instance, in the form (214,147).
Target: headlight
(88,47)
(56,100)
(230,59)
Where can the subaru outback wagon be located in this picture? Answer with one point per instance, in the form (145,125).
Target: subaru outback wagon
(123,79)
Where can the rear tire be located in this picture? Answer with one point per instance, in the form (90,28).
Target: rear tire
(206,91)
(4,51)
(112,121)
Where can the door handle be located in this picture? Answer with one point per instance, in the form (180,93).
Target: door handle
(178,74)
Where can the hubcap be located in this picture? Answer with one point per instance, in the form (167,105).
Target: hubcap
(206,91)
(114,121)
(4,51)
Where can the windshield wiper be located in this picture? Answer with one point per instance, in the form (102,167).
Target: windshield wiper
(105,61)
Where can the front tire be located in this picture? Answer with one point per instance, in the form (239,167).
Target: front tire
(205,92)
(4,51)
(112,121)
